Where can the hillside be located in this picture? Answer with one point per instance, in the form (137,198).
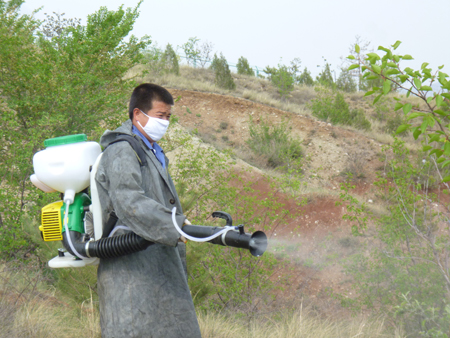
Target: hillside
(318,240)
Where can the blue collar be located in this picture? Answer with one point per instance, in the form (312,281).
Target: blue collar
(156,149)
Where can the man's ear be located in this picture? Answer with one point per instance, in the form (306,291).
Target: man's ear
(136,112)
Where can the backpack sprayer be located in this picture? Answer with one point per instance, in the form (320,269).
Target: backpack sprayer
(68,165)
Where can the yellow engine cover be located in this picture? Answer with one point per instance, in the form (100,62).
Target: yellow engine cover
(51,223)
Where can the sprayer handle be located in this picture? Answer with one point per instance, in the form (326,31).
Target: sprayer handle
(224,215)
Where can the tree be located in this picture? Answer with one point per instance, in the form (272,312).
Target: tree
(222,73)
(325,78)
(345,81)
(191,50)
(169,60)
(284,76)
(243,67)
(64,84)
(432,117)
(414,253)
(359,55)
(305,78)
(205,53)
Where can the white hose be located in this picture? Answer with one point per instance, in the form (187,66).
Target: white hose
(195,239)
(66,221)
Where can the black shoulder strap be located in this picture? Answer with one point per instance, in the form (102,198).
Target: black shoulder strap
(140,154)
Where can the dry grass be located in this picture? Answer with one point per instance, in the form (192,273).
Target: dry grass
(301,323)
(29,307)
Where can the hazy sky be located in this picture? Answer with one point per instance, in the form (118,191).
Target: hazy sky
(265,31)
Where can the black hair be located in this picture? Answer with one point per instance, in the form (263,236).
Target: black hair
(144,95)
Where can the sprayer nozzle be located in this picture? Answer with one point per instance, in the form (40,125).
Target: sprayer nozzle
(258,243)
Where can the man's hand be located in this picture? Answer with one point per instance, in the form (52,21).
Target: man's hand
(182,238)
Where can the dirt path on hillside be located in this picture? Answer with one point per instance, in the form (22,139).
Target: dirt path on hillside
(318,239)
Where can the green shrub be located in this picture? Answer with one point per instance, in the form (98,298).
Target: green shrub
(169,61)
(243,67)
(274,142)
(305,78)
(222,73)
(325,78)
(66,82)
(331,106)
(282,78)
(345,81)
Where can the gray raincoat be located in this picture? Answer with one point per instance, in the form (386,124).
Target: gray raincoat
(144,294)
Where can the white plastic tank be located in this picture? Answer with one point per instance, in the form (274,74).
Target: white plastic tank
(64,164)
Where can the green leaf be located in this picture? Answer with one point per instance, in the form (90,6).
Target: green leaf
(386,87)
(426,88)
(372,77)
(408,92)
(426,148)
(409,71)
(446,95)
(392,64)
(417,83)
(353,67)
(414,115)
(376,69)
(402,128)
(447,148)
(407,108)
(351,57)
(439,100)
(435,138)
(435,151)
(440,160)
(446,163)
(441,112)
(383,49)
(403,78)
(416,133)
(396,44)
(440,67)
(392,72)
(407,57)
(369,93)
(377,98)
(429,99)
(357,49)
(446,179)
(398,105)
(373,56)
(396,58)
(424,65)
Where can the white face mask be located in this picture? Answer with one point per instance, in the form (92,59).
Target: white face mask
(155,128)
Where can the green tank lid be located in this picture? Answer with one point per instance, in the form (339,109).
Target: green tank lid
(58,141)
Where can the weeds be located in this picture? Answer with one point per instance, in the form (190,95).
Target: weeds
(331,106)
(274,143)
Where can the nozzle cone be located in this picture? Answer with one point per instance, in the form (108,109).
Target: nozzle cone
(258,243)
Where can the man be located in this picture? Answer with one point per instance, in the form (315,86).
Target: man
(144,294)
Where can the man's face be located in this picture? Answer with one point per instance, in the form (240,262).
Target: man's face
(160,110)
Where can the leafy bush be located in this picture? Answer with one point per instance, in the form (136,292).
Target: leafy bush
(275,143)
(222,73)
(345,81)
(65,83)
(243,67)
(331,106)
(306,78)
(325,78)
(169,61)
(410,257)
(284,77)
(191,50)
